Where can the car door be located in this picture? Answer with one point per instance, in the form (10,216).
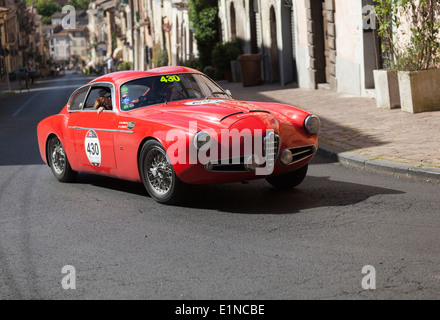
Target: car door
(93,132)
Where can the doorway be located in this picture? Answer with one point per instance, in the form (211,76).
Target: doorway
(274,53)
(288,70)
(322,44)
(253,11)
(326,45)
(233,23)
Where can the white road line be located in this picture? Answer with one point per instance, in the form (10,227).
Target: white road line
(25,104)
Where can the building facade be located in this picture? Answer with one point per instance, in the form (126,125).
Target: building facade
(60,47)
(12,57)
(130,31)
(69,45)
(310,43)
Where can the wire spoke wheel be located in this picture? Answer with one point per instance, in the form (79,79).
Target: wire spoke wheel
(58,162)
(58,157)
(158,174)
(159,171)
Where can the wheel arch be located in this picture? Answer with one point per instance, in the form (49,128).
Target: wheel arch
(49,137)
(141,145)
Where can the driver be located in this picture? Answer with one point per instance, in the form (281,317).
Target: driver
(169,91)
(104,101)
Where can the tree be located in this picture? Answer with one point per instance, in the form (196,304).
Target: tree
(45,7)
(79,4)
(203,15)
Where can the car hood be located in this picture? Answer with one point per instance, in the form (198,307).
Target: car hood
(213,113)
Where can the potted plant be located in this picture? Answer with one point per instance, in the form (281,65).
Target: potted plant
(223,55)
(419,58)
(412,34)
(233,50)
(386,79)
(221,63)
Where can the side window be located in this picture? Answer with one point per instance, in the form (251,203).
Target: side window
(77,101)
(102,92)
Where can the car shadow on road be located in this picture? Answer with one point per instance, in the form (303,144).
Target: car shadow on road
(118,185)
(256,197)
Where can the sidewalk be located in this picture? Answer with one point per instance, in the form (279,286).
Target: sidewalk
(356,132)
(14,86)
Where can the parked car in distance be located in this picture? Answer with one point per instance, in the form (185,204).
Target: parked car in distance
(21,73)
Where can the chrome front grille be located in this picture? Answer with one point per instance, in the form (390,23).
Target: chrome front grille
(271,148)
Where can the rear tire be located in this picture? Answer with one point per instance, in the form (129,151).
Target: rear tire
(58,162)
(157,173)
(289,180)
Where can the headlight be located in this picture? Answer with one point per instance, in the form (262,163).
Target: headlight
(201,139)
(312,124)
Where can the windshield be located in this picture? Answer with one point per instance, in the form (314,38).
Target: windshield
(167,88)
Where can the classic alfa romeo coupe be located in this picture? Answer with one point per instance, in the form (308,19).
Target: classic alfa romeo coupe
(173,126)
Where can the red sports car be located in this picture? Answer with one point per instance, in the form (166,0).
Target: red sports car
(173,126)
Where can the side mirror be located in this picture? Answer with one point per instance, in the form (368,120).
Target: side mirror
(229,92)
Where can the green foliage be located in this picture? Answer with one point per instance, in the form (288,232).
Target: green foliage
(46,20)
(79,4)
(422,51)
(124,65)
(223,54)
(194,63)
(160,56)
(203,15)
(387,13)
(45,7)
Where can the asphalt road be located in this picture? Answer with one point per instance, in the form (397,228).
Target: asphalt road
(233,241)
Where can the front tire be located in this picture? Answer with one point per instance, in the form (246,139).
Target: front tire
(158,175)
(289,180)
(58,162)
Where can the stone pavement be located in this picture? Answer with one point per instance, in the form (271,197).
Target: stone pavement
(356,132)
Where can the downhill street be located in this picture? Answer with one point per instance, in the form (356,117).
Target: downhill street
(233,241)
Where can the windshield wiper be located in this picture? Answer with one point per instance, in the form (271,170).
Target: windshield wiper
(216,92)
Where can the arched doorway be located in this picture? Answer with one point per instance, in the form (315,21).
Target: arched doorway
(233,22)
(318,43)
(253,11)
(274,53)
(288,26)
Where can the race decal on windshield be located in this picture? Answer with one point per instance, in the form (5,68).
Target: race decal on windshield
(170,79)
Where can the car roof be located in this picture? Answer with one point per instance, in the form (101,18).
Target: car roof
(121,77)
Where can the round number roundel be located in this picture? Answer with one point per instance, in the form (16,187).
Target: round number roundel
(93,148)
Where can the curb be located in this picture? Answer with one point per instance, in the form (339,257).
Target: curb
(353,159)
(5,94)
